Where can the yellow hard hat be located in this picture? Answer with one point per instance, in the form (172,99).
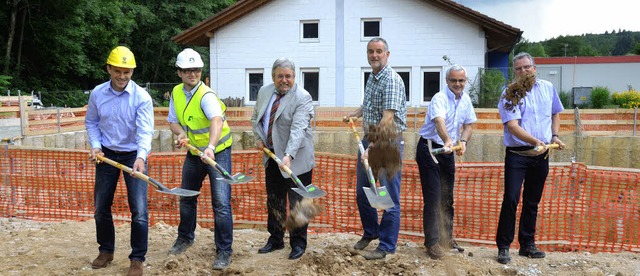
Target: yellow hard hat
(121,57)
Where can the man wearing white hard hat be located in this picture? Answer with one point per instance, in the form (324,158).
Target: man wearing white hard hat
(196,116)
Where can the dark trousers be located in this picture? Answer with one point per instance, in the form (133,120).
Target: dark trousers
(437,192)
(106,181)
(278,190)
(533,171)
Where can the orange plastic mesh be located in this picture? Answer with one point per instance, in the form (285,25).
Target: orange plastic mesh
(583,208)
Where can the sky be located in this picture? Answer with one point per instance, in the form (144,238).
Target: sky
(544,19)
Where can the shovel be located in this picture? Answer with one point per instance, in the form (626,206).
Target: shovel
(310,191)
(238,178)
(549,146)
(159,187)
(378,197)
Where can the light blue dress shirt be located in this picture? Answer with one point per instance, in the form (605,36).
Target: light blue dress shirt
(533,114)
(454,112)
(120,121)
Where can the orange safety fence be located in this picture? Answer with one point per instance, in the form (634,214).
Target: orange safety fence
(583,208)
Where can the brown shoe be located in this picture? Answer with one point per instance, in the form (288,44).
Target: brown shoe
(102,261)
(435,252)
(135,269)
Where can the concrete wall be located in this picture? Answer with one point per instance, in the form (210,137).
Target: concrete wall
(592,150)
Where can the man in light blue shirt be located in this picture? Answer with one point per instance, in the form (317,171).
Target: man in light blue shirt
(119,124)
(450,110)
(529,122)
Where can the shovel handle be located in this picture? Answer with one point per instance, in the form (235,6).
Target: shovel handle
(548,146)
(285,168)
(138,175)
(209,161)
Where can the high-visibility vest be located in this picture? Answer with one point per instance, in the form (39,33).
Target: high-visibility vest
(195,122)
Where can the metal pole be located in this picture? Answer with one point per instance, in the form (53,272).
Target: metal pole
(635,120)
(59,128)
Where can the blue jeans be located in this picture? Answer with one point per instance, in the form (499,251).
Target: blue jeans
(194,171)
(518,171)
(437,192)
(389,227)
(106,180)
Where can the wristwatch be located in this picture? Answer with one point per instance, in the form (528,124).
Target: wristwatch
(286,154)
(212,147)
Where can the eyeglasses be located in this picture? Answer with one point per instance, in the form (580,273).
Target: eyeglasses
(191,71)
(523,68)
(457,80)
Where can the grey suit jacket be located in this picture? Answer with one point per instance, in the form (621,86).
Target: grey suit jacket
(291,131)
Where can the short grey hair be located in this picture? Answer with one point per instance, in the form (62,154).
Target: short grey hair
(522,55)
(376,39)
(283,62)
(456,68)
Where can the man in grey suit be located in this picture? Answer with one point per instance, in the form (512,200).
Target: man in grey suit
(281,122)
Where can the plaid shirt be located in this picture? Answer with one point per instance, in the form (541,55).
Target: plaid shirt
(383,91)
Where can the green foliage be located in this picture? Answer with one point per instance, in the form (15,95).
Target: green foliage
(65,43)
(615,43)
(535,48)
(566,99)
(75,98)
(599,97)
(5,83)
(627,99)
(487,92)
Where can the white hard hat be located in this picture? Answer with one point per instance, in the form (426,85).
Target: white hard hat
(189,58)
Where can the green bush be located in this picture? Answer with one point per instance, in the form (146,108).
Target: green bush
(565,98)
(487,92)
(599,97)
(626,99)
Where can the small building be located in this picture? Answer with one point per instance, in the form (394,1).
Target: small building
(569,74)
(327,41)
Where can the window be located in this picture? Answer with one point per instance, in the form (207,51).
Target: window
(405,74)
(255,78)
(311,82)
(430,83)
(370,28)
(309,31)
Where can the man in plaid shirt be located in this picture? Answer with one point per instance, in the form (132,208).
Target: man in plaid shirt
(384,105)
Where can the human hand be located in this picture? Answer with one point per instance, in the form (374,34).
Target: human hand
(208,152)
(286,161)
(259,144)
(557,140)
(95,152)
(138,166)
(182,140)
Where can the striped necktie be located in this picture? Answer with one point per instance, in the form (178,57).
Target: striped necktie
(272,117)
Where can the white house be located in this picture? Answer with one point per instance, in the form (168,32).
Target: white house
(327,41)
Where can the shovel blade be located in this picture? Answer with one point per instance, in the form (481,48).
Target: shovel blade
(237,178)
(311,191)
(382,200)
(180,192)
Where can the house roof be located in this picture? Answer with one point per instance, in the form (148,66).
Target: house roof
(587,60)
(500,36)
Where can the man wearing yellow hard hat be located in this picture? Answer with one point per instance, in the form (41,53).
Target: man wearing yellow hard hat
(197,116)
(119,124)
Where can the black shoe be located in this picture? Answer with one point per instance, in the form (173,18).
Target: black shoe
(222,261)
(531,251)
(454,245)
(362,243)
(179,246)
(269,247)
(435,252)
(375,254)
(503,256)
(296,253)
